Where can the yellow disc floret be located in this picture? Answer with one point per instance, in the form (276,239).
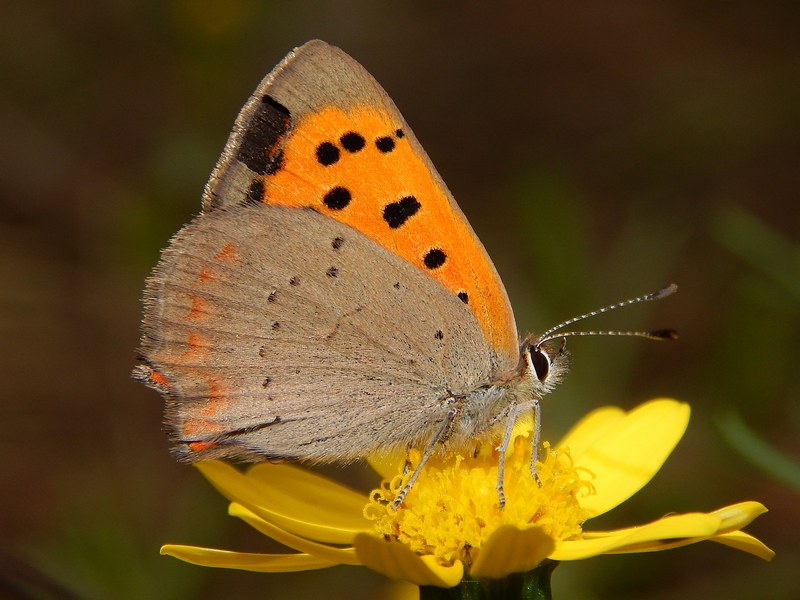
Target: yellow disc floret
(453,507)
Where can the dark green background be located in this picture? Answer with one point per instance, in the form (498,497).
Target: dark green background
(600,149)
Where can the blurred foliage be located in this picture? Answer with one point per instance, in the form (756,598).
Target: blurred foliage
(763,249)
(758,451)
(777,261)
(599,151)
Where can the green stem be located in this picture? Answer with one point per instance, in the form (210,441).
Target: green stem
(533,585)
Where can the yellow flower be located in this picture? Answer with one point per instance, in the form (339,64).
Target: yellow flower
(450,523)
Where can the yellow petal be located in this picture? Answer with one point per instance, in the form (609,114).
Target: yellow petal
(262,563)
(399,590)
(629,452)
(638,539)
(449,576)
(729,520)
(387,464)
(304,527)
(511,550)
(589,428)
(397,561)
(746,543)
(296,500)
(252,517)
(297,482)
(737,516)
(742,542)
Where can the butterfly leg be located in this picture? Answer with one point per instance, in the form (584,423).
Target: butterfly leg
(513,414)
(501,461)
(537,434)
(429,450)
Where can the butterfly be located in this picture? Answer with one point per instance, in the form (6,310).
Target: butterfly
(331,300)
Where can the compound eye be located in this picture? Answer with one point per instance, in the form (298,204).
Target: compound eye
(541,363)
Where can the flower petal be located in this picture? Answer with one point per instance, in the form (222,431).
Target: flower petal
(511,550)
(252,517)
(298,501)
(589,428)
(301,483)
(306,528)
(639,539)
(746,543)
(262,563)
(629,452)
(387,464)
(397,561)
(737,516)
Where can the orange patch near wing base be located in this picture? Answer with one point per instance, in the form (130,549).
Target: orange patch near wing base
(360,168)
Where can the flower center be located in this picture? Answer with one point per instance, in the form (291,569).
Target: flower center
(453,506)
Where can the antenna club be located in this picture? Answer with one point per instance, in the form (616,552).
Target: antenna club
(666,291)
(664,334)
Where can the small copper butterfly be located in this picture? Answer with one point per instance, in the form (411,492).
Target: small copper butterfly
(331,300)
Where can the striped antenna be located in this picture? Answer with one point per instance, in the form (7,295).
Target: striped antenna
(658,334)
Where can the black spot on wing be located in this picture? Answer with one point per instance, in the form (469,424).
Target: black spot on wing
(352,142)
(464,297)
(259,147)
(327,154)
(397,213)
(385,144)
(434,258)
(337,198)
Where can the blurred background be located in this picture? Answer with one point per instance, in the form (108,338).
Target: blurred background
(599,150)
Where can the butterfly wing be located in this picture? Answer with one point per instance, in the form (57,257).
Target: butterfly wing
(320,132)
(332,295)
(282,332)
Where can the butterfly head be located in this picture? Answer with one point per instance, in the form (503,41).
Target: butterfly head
(543,364)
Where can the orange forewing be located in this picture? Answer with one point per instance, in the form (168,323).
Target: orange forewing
(356,186)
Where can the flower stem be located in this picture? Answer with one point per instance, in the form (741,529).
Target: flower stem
(533,585)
